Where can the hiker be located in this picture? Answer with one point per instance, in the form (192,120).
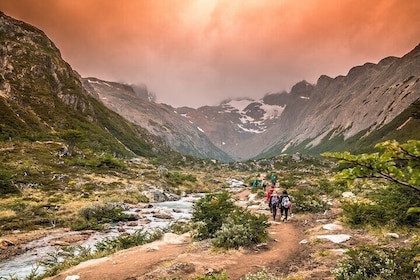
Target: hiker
(269,192)
(264,185)
(273,179)
(274,202)
(285,205)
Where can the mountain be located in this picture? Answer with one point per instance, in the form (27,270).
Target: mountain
(158,119)
(42,98)
(372,103)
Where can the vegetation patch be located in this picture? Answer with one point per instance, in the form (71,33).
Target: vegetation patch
(216,216)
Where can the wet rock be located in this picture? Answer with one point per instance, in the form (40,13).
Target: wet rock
(132,224)
(163,216)
(156,195)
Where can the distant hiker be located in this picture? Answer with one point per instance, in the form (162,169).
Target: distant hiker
(274,202)
(269,192)
(273,179)
(285,205)
(264,185)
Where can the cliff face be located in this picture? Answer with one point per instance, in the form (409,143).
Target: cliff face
(309,119)
(158,119)
(325,114)
(42,98)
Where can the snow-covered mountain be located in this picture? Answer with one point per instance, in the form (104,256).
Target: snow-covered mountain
(333,114)
(161,120)
(321,117)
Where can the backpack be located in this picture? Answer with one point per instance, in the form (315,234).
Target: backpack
(285,202)
(274,199)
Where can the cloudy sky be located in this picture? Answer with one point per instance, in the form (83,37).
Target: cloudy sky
(200,52)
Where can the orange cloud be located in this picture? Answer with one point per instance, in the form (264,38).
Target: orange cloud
(196,52)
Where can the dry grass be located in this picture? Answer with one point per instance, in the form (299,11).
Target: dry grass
(4,214)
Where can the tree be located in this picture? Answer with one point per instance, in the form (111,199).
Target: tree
(72,137)
(397,163)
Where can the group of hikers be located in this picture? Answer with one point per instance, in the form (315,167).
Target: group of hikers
(274,199)
(278,201)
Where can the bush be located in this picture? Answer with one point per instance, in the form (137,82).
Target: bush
(308,202)
(334,189)
(176,178)
(261,275)
(210,211)
(127,241)
(6,184)
(371,262)
(216,216)
(92,216)
(241,229)
(389,208)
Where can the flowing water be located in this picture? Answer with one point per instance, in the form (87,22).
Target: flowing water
(22,265)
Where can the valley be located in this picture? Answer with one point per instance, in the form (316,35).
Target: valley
(87,163)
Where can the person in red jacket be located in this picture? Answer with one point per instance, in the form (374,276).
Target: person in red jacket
(269,192)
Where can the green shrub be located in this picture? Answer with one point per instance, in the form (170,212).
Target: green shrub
(389,208)
(180,227)
(371,262)
(241,229)
(95,214)
(176,178)
(261,275)
(334,189)
(6,183)
(121,242)
(216,216)
(110,162)
(307,202)
(209,213)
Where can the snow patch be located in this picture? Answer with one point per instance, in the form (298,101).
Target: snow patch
(251,130)
(99,83)
(272,111)
(200,129)
(239,105)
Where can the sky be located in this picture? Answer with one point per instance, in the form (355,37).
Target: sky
(200,52)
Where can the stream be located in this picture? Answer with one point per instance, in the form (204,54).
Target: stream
(22,265)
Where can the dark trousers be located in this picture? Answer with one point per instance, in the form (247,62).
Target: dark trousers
(274,211)
(285,211)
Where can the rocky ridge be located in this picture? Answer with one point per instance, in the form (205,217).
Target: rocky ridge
(310,119)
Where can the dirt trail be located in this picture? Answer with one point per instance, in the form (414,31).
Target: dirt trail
(164,258)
